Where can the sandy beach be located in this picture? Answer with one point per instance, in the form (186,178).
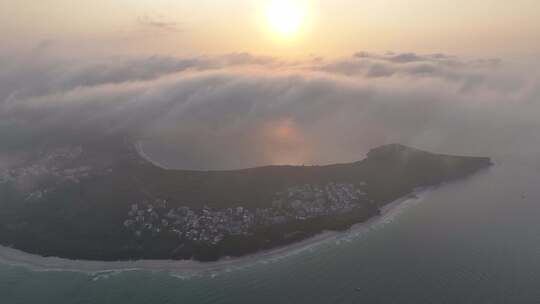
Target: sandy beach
(143,155)
(188,268)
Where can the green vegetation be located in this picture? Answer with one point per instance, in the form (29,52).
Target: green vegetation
(76,205)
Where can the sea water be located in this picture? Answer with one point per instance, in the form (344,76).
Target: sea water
(472,241)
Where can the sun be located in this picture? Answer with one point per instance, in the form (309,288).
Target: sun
(285,17)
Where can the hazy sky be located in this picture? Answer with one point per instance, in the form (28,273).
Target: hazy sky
(328,27)
(209,84)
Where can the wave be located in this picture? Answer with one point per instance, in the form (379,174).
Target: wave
(188,269)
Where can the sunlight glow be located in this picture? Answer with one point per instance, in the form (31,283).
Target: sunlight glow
(285,17)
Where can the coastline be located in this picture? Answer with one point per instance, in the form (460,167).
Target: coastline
(140,151)
(14,257)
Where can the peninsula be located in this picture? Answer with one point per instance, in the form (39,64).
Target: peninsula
(110,204)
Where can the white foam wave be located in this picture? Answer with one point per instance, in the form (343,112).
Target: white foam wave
(185,270)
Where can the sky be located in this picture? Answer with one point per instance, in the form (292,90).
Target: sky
(235,84)
(499,28)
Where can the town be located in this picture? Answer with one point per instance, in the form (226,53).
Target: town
(54,165)
(210,226)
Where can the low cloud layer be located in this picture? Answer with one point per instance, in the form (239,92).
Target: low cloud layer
(241,110)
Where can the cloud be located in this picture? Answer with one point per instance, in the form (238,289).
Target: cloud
(241,110)
(43,45)
(36,74)
(157,23)
(468,73)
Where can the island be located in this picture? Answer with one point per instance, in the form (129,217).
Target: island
(103,201)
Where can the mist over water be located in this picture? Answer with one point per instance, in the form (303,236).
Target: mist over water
(475,241)
(232,84)
(237,111)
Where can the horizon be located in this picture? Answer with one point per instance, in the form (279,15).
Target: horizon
(129,131)
(479,28)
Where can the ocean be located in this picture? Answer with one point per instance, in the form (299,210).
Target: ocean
(472,241)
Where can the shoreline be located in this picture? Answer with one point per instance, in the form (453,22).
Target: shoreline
(140,151)
(14,257)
